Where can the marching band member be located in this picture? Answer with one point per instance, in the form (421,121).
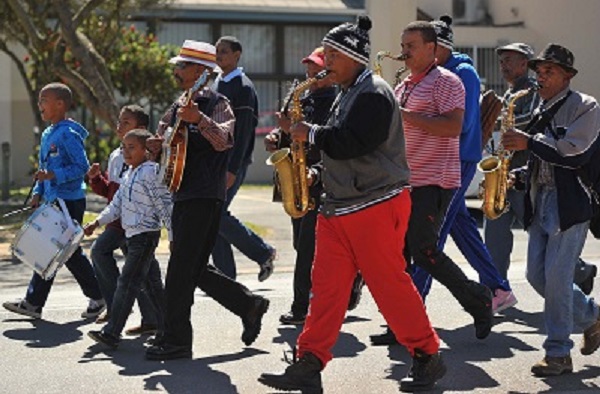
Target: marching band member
(315,107)
(458,222)
(234,84)
(498,235)
(432,101)
(62,165)
(197,208)
(362,221)
(561,138)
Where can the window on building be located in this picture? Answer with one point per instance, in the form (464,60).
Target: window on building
(272,54)
(300,41)
(258,43)
(485,60)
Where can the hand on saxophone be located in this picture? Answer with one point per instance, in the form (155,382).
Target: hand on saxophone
(515,140)
(283,122)
(299,131)
(272,141)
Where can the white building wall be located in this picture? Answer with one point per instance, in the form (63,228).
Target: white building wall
(389,18)
(573,24)
(5,107)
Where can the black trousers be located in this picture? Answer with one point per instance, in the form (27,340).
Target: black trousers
(195,224)
(429,205)
(304,244)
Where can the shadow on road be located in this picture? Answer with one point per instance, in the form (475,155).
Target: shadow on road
(46,334)
(465,350)
(173,376)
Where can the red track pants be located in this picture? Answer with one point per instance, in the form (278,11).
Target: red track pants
(370,240)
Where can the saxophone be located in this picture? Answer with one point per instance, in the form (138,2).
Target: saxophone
(383,54)
(290,163)
(496,167)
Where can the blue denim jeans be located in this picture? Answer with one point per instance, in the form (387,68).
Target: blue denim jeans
(78,265)
(551,258)
(498,232)
(139,266)
(107,271)
(233,232)
(460,225)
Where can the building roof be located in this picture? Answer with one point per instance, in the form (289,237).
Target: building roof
(309,6)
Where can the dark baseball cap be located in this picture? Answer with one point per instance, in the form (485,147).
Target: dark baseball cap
(517,47)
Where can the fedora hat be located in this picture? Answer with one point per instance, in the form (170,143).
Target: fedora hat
(557,54)
(196,52)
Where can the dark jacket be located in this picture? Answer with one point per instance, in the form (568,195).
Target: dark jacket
(244,102)
(205,168)
(363,147)
(567,143)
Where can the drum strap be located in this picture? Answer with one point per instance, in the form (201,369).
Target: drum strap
(65,211)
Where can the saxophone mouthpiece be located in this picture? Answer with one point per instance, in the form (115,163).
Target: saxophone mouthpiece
(322,74)
(401,57)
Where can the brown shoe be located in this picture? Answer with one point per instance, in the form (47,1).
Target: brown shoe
(103,318)
(142,329)
(591,339)
(552,366)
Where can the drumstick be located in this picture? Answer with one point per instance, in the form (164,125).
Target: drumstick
(15,212)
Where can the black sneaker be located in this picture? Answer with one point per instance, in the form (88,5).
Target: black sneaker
(385,339)
(426,370)
(302,375)
(356,292)
(156,339)
(291,318)
(253,320)
(167,351)
(94,309)
(589,272)
(105,339)
(22,307)
(484,315)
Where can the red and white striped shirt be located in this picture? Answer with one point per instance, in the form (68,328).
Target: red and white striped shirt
(433,160)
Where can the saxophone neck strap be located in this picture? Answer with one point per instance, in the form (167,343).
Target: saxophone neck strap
(540,121)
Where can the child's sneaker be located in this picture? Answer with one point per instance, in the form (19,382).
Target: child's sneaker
(22,307)
(95,308)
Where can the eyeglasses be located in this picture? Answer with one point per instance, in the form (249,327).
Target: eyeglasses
(181,65)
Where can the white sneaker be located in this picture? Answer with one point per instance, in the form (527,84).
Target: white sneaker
(22,307)
(94,309)
(266,268)
(502,300)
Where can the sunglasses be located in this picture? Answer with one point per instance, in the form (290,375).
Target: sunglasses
(181,65)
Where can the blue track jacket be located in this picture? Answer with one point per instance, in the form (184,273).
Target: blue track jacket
(62,151)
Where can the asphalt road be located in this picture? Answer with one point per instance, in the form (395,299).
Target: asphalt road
(54,355)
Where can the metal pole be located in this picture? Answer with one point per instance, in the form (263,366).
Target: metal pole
(5,171)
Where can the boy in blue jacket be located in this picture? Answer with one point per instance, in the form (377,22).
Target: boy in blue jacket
(62,166)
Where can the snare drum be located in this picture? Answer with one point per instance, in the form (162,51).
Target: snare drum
(47,239)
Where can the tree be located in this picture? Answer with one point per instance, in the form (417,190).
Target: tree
(84,44)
